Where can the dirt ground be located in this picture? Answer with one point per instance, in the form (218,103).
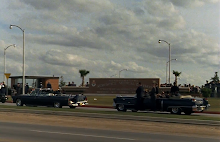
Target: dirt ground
(110,124)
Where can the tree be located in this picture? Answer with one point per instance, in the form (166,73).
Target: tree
(83,73)
(206,92)
(177,74)
(215,79)
(62,83)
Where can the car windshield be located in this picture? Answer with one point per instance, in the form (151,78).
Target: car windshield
(33,93)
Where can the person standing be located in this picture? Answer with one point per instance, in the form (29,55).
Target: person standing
(140,93)
(49,85)
(174,89)
(41,85)
(153,97)
(3,88)
(18,89)
(26,88)
(157,90)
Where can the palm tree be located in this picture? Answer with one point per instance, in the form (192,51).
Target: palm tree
(177,74)
(83,73)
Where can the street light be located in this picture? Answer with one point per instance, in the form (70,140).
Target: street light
(5,60)
(166,67)
(169,54)
(121,71)
(23,79)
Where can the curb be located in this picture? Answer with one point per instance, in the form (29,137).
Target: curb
(118,117)
(108,107)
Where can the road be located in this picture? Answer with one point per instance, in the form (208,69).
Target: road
(42,133)
(107,109)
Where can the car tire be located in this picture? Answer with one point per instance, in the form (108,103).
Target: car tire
(72,107)
(57,105)
(121,107)
(134,110)
(3,101)
(19,102)
(175,110)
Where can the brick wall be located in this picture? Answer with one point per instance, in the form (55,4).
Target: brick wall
(54,83)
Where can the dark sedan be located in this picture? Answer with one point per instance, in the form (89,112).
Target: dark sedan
(46,97)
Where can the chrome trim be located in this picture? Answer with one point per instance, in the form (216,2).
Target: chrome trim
(180,106)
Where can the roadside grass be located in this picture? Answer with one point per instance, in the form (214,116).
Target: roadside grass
(215,104)
(198,117)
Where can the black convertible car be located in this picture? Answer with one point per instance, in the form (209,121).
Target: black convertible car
(3,98)
(175,105)
(46,97)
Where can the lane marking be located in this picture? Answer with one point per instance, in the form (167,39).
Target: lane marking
(96,136)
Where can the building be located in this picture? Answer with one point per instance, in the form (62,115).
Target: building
(54,81)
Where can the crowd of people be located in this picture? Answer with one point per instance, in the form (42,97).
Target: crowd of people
(17,89)
(73,84)
(154,93)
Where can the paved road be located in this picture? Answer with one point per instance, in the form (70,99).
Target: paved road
(41,133)
(107,109)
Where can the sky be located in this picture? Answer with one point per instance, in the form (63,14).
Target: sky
(107,36)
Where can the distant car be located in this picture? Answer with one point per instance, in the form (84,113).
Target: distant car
(46,97)
(175,105)
(3,98)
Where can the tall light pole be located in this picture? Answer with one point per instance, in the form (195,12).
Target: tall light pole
(23,79)
(169,55)
(121,71)
(166,67)
(5,60)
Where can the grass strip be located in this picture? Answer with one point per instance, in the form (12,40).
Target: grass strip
(197,117)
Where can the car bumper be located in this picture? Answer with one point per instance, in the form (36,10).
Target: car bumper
(78,104)
(200,108)
(4,98)
(114,105)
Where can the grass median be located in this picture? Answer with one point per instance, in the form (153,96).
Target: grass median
(198,117)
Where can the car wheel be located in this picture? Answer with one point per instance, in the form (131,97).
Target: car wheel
(72,106)
(188,112)
(57,105)
(175,110)
(3,101)
(19,102)
(121,107)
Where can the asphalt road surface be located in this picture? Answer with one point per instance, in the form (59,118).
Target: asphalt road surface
(107,109)
(18,132)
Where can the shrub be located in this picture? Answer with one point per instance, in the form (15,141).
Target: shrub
(206,92)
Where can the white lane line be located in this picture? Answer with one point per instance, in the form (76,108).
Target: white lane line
(96,136)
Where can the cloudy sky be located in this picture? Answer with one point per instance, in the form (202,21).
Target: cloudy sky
(106,36)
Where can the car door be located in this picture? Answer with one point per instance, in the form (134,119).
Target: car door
(30,99)
(40,98)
